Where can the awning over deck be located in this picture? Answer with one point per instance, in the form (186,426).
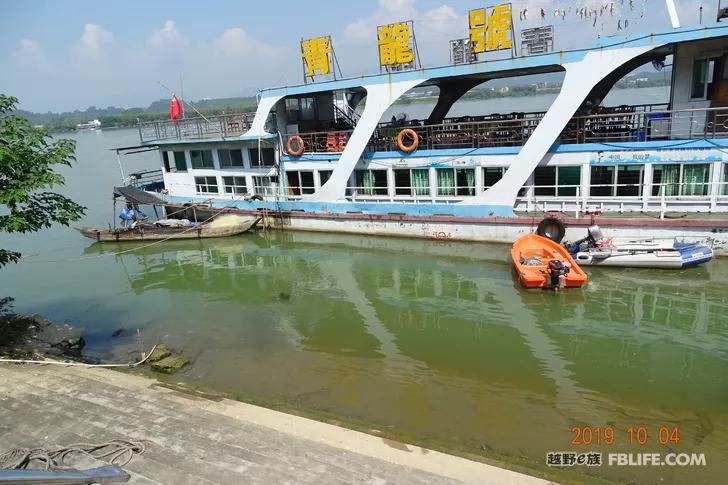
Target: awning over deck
(132,194)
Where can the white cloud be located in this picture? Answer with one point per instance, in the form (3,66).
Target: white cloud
(236,44)
(168,35)
(28,52)
(388,11)
(94,42)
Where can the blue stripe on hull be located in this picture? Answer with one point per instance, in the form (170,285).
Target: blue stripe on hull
(359,207)
(693,254)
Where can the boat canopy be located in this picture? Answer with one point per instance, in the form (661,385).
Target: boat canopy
(134,195)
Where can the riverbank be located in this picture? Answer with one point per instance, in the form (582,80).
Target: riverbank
(196,438)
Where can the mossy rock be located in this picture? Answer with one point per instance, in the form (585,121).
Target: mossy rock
(170,364)
(160,352)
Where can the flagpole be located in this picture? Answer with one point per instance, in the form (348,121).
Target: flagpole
(185,102)
(181,91)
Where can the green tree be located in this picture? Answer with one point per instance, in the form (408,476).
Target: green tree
(28,156)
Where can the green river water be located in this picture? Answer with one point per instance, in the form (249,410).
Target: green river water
(425,341)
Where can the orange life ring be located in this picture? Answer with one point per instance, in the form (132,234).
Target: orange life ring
(289,146)
(409,132)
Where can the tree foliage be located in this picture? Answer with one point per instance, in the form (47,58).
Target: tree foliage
(28,156)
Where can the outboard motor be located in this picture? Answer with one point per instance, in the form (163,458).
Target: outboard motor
(557,272)
(595,234)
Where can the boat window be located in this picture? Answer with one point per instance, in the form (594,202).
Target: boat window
(308,109)
(371,182)
(265,185)
(300,182)
(234,185)
(568,180)
(324,176)
(694,180)
(616,180)
(206,185)
(725,178)
(544,178)
(180,162)
(680,179)
(602,181)
(561,181)
(704,79)
(455,181)
(491,175)
(267,157)
(165,161)
(230,158)
(292,110)
(629,180)
(201,159)
(412,181)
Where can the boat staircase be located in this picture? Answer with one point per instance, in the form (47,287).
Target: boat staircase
(346,115)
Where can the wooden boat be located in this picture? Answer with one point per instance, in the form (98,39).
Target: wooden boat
(543,263)
(231,226)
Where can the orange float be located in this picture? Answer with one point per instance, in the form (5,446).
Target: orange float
(289,146)
(409,133)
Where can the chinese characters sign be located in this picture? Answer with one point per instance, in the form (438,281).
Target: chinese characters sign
(538,40)
(490,31)
(396,45)
(316,55)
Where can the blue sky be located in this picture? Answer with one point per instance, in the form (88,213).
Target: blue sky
(65,55)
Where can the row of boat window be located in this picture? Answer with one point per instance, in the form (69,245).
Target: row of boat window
(177,161)
(604,181)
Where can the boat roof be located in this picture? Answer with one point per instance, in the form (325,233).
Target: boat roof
(132,194)
(513,66)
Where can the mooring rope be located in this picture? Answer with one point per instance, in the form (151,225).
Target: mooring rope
(114,452)
(79,364)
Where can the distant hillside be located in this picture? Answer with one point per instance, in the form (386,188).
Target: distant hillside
(113,117)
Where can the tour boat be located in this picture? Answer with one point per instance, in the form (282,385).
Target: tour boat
(329,155)
(543,263)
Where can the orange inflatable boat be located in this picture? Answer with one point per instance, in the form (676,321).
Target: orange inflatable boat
(543,263)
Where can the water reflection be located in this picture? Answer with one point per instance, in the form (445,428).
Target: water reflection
(435,337)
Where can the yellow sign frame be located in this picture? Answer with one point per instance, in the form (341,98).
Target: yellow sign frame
(491,28)
(397,46)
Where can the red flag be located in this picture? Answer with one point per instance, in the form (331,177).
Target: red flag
(175,108)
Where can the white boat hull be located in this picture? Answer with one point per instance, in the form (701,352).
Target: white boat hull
(677,257)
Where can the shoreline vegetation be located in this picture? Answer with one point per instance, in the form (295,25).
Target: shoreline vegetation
(113,117)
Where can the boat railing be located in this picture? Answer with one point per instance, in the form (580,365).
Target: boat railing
(661,198)
(322,141)
(657,197)
(224,125)
(402,194)
(620,124)
(694,123)
(151,180)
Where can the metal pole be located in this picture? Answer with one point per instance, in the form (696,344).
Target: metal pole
(121,168)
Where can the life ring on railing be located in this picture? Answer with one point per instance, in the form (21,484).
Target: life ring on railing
(412,134)
(289,146)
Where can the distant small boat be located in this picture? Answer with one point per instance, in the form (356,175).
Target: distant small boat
(233,226)
(595,250)
(92,125)
(543,263)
